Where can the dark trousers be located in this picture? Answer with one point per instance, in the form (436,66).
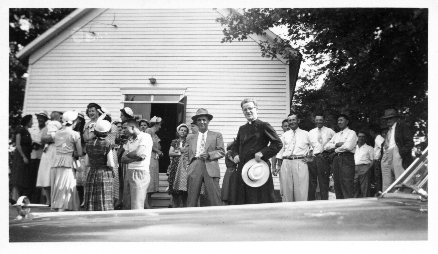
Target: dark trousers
(319,171)
(343,175)
(362,181)
(377,168)
(198,174)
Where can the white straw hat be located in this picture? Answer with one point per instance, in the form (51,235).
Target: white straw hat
(255,174)
(69,117)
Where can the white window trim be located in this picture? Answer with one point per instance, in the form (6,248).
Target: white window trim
(152,91)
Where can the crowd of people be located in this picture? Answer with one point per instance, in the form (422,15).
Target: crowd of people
(104,165)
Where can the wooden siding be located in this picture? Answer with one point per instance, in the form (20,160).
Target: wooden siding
(180,48)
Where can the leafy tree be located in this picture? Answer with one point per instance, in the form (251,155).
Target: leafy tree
(25,25)
(371,59)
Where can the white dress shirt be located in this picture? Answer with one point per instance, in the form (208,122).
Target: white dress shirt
(391,132)
(295,143)
(363,155)
(348,137)
(326,134)
(378,141)
(198,144)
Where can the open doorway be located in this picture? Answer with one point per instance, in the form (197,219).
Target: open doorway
(172,114)
(167,133)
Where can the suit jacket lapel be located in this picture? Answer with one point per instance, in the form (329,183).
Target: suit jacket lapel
(208,140)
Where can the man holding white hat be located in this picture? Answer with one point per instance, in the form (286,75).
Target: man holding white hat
(203,150)
(294,171)
(257,141)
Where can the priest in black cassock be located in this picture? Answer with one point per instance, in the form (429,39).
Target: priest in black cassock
(256,139)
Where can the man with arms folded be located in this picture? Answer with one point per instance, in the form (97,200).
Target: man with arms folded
(294,172)
(138,150)
(343,144)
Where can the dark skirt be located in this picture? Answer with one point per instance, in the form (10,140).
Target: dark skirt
(99,190)
(229,184)
(21,172)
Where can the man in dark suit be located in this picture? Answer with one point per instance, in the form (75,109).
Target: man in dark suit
(255,140)
(203,150)
(397,149)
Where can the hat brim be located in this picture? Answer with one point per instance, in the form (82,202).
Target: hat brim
(344,116)
(389,116)
(42,114)
(259,182)
(207,115)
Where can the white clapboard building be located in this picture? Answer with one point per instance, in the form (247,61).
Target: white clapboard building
(110,56)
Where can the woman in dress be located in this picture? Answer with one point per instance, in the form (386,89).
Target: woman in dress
(177,171)
(155,126)
(49,153)
(62,174)
(99,184)
(111,138)
(229,183)
(20,166)
(80,174)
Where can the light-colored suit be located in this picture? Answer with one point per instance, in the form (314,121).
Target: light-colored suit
(207,171)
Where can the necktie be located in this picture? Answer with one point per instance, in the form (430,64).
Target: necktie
(388,137)
(292,146)
(320,136)
(201,149)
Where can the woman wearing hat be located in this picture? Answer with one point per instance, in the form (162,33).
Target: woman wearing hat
(155,126)
(99,184)
(144,125)
(21,163)
(62,175)
(93,112)
(177,171)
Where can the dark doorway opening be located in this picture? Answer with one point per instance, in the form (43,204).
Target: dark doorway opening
(167,133)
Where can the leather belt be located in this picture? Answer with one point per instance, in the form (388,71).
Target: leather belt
(345,153)
(295,157)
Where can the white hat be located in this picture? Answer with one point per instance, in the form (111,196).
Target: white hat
(102,126)
(181,125)
(156,119)
(128,111)
(69,117)
(255,174)
(43,114)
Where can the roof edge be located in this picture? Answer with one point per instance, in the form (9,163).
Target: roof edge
(52,32)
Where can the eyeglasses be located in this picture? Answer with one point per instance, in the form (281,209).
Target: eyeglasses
(248,109)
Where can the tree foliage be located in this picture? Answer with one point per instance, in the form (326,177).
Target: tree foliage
(371,59)
(25,25)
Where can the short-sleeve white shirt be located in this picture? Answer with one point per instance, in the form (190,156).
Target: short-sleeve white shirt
(142,139)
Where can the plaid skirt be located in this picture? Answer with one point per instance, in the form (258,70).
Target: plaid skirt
(99,190)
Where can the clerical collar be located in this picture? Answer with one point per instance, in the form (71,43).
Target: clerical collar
(251,122)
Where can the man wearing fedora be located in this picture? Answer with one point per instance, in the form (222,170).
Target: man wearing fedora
(343,144)
(294,173)
(397,149)
(203,150)
(256,141)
